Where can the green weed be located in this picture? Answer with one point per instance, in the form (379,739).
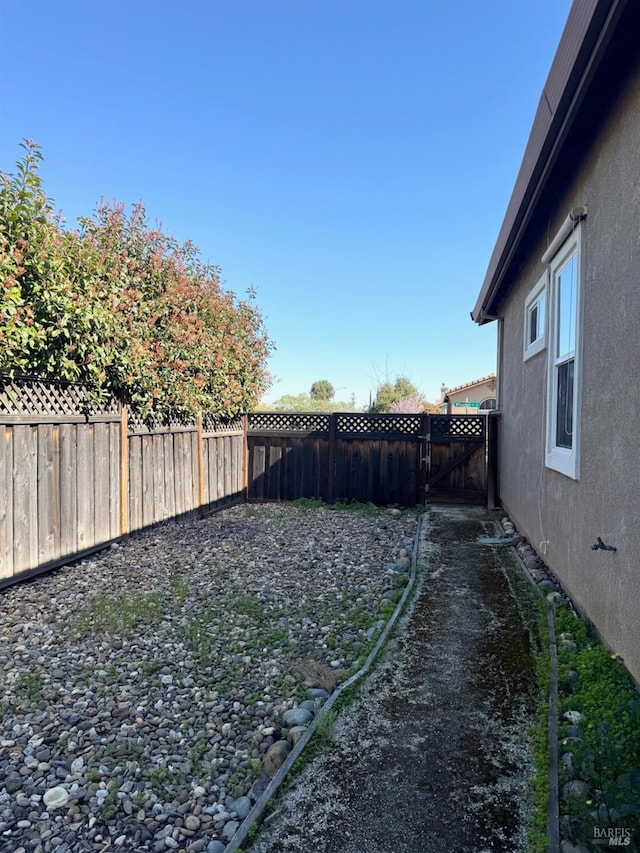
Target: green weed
(606,755)
(179,589)
(30,684)
(198,637)
(120,615)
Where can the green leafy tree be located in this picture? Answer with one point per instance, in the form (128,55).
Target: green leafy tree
(294,403)
(121,306)
(388,394)
(306,403)
(322,390)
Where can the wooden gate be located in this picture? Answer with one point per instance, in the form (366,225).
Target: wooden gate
(457,471)
(370,458)
(403,459)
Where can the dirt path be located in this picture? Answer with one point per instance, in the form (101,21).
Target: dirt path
(433,754)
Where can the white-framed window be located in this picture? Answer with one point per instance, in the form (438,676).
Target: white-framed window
(535,319)
(563,385)
(488,405)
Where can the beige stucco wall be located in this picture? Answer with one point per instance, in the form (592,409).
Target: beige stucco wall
(605,501)
(475,393)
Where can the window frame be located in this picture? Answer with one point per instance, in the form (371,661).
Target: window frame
(565,460)
(536,296)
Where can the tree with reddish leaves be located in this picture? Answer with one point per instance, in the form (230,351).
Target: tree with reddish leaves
(123,307)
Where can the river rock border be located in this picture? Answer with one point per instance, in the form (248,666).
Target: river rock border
(541,576)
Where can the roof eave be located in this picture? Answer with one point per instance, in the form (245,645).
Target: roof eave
(587,32)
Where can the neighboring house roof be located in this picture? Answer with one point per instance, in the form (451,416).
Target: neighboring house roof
(580,88)
(491,377)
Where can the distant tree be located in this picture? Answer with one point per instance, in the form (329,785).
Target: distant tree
(322,390)
(387,394)
(294,403)
(307,403)
(408,405)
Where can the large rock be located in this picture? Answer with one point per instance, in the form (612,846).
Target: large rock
(295,734)
(297,717)
(230,829)
(56,798)
(275,757)
(241,806)
(575,788)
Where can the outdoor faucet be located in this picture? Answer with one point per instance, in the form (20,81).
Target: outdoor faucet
(599,545)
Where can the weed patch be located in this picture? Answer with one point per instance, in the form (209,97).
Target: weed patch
(600,737)
(120,615)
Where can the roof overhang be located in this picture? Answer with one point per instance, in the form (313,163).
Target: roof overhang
(587,33)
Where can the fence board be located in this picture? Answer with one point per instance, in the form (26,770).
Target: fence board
(210,471)
(101,483)
(237,487)
(275,470)
(227,464)
(147,480)
(206,494)
(6,509)
(86,487)
(135,482)
(220,471)
(114,481)
(48,493)
(178,461)
(194,450)
(159,478)
(169,474)
(68,490)
(25,497)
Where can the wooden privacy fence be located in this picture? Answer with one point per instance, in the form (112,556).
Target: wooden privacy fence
(335,457)
(75,476)
(401,459)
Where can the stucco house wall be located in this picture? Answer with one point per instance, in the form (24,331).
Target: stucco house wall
(479,391)
(560,516)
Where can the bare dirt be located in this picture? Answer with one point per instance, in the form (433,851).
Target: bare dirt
(433,754)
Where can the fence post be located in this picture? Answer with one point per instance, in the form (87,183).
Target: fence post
(493,440)
(423,460)
(333,430)
(200,461)
(245,458)
(124,471)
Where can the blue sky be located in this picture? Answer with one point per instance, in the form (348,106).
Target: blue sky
(351,159)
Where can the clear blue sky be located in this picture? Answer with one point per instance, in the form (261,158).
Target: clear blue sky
(351,159)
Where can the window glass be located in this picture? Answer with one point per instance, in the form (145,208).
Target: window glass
(564,365)
(564,405)
(567,289)
(534,319)
(533,323)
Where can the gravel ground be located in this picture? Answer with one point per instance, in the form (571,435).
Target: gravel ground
(148,692)
(434,752)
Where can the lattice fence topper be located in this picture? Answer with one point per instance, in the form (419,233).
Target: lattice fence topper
(136,423)
(303,421)
(213,424)
(403,424)
(456,426)
(31,396)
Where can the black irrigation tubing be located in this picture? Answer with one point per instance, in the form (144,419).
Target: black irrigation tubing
(258,809)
